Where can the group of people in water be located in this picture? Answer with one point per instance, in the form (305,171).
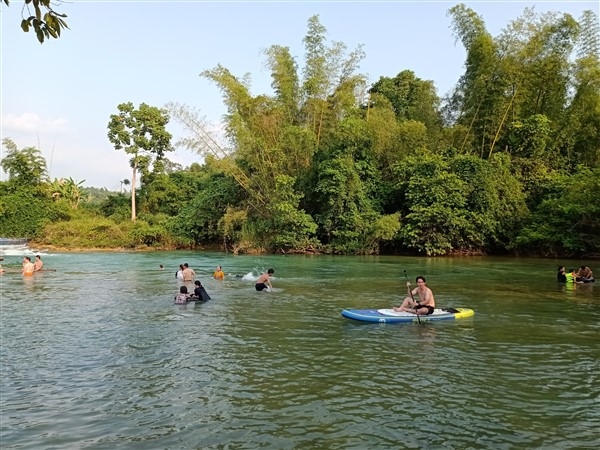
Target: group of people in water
(199,295)
(30,267)
(583,275)
(186,274)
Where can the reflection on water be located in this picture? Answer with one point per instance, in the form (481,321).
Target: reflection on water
(96,355)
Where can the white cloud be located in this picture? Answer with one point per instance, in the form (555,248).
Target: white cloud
(32,123)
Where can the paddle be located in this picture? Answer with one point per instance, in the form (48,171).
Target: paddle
(411,296)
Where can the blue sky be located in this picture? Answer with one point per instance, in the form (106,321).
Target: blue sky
(58,96)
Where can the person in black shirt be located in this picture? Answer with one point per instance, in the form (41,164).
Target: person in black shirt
(199,292)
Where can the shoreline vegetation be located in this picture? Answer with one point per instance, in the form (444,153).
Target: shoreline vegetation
(508,163)
(219,249)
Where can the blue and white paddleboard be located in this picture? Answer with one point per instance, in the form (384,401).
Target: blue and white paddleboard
(391,316)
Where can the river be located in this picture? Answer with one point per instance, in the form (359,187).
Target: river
(95,355)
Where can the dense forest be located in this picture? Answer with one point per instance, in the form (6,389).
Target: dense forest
(508,162)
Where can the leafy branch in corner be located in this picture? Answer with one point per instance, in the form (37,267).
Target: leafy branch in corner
(44,21)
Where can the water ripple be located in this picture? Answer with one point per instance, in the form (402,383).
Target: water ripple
(116,369)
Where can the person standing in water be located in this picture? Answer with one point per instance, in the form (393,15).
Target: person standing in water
(28,267)
(38,264)
(200,292)
(264,281)
(219,274)
(188,273)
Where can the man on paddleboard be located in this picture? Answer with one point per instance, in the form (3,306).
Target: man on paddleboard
(426,303)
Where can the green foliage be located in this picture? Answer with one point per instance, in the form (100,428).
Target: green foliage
(24,211)
(116,207)
(167,193)
(89,231)
(495,198)
(67,190)
(411,98)
(287,227)
(458,204)
(437,220)
(198,221)
(141,233)
(567,222)
(317,164)
(284,72)
(522,93)
(530,138)
(24,166)
(344,183)
(233,226)
(48,25)
(95,196)
(142,134)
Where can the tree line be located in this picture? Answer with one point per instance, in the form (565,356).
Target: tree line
(508,162)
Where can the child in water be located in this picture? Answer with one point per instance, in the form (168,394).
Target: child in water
(183,296)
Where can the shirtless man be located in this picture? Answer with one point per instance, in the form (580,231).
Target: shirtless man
(188,273)
(28,267)
(426,303)
(585,274)
(38,264)
(264,281)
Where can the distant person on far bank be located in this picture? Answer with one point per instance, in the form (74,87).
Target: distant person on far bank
(264,281)
(38,264)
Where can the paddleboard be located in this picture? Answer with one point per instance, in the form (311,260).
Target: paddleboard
(391,316)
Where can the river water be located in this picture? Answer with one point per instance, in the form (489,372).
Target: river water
(95,355)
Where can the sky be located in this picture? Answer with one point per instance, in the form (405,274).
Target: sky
(58,96)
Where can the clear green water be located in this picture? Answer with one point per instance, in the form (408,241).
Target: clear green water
(96,356)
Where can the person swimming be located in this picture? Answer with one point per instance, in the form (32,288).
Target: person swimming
(264,281)
(219,274)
